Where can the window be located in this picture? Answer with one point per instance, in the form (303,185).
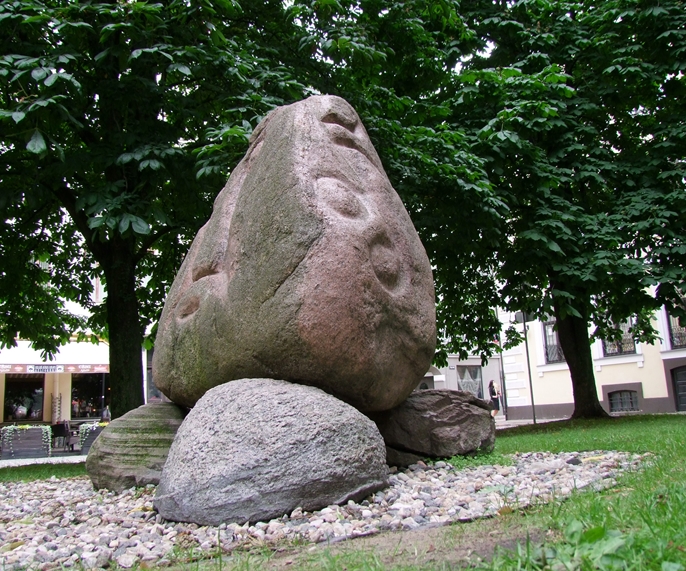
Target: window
(623,346)
(553,351)
(623,401)
(24,397)
(152,392)
(677,332)
(89,394)
(469,380)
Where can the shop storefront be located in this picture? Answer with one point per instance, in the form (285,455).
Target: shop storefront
(73,387)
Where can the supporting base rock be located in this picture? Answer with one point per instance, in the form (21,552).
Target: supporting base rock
(133,448)
(255,449)
(401,459)
(439,423)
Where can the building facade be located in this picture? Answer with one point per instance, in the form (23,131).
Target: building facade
(630,377)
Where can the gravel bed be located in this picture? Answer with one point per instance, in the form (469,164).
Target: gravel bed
(64,522)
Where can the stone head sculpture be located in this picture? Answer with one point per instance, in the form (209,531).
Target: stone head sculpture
(309,270)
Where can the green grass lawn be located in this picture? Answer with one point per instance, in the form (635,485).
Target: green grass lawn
(640,524)
(41,472)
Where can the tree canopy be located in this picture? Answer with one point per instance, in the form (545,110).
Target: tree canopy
(579,108)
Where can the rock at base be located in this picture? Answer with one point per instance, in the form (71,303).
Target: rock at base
(400,458)
(439,423)
(133,448)
(255,449)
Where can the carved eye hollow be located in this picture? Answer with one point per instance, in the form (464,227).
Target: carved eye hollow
(385,261)
(341,197)
(205,269)
(338,118)
(189,307)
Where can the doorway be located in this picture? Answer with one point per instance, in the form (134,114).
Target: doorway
(679,376)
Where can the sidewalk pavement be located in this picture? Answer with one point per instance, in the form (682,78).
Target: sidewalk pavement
(18,462)
(501,422)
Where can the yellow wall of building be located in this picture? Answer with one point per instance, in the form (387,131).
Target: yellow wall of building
(47,396)
(650,374)
(552,382)
(64,389)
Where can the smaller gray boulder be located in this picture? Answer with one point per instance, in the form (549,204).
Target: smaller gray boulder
(438,423)
(133,448)
(255,449)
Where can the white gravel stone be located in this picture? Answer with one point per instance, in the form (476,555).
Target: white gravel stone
(55,523)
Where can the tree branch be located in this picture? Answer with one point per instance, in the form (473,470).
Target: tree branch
(150,240)
(68,200)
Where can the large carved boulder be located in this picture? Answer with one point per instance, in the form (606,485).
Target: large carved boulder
(309,270)
(133,448)
(255,449)
(437,423)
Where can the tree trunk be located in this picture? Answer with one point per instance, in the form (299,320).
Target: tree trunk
(125,334)
(573,334)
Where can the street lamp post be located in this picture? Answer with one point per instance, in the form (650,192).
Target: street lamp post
(522,318)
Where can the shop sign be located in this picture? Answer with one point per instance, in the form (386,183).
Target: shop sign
(54,368)
(45,368)
(12,368)
(87,368)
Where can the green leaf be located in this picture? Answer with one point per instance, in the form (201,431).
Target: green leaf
(18,116)
(51,79)
(140,226)
(181,68)
(151,163)
(670,566)
(125,222)
(39,73)
(102,54)
(593,534)
(37,143)
(554,247)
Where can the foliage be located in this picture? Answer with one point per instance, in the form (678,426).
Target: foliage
(538,146)
(392,61)
(579,107)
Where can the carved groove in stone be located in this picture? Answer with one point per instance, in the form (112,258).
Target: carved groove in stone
(385,261)
(341,198)
(189,307)
(339,118)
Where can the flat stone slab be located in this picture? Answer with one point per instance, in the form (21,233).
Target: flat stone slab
(438,423)
(133,448)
